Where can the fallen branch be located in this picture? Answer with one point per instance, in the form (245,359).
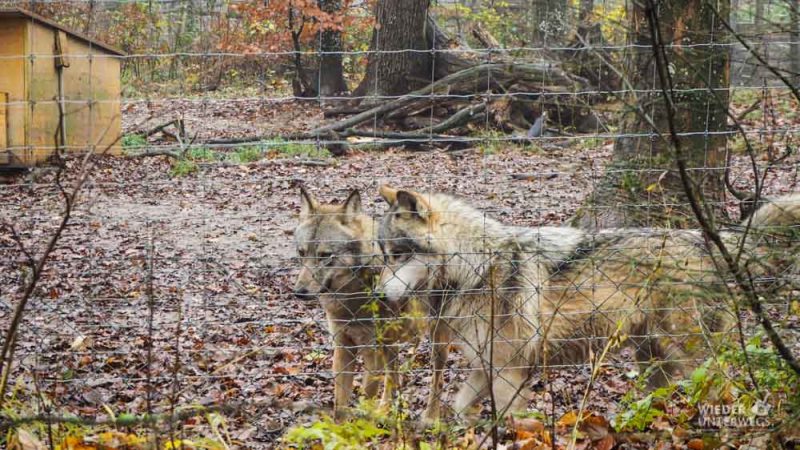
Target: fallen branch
(273,162)
(463,81)
(344,110)
(161,128)
(486,39)
(533,176)
(461,117)
(155,152)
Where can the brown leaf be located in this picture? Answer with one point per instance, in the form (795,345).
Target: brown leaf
(695,444)
(595,427)
(606,443)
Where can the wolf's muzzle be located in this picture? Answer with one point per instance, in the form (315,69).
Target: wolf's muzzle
(303,294)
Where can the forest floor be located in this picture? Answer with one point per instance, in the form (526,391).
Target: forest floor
(216,322)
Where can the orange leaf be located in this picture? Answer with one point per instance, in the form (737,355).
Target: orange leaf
(568,420)
(528,444)
(284,370)
(524,435)
(696,444)
(528,425)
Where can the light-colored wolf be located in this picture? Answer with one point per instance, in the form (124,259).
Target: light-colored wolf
(340,265)
(517,298)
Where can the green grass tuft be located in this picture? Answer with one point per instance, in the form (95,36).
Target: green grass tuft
(183,167)
(202,154)
(133,142)
(247,154)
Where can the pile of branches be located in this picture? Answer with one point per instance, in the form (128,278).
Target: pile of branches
(487,89)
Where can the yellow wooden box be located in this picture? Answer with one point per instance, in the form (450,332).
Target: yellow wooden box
(43,66)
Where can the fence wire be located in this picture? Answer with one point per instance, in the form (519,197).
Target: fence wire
(242,253)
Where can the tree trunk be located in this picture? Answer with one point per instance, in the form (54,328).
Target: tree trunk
(398,61)
(331,73)
(795,39)
(590,59)
(641,186)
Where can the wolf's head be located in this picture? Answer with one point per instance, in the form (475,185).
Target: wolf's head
(335,246)
(430,242)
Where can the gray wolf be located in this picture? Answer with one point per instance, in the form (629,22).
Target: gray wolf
(340,265)
(516,298)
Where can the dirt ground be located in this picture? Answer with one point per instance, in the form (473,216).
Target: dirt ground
(204,264)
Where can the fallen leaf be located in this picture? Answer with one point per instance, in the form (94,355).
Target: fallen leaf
(695,444)
(606,443)
(27,441)
(286,370)
(595,427)
(528,444)
(80,344)
(526,427)
(568,420)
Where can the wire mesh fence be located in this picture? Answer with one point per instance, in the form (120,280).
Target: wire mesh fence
(224,221)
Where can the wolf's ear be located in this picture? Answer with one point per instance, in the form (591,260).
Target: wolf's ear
(413,203)
(307,203)
(352,206)
(388,193)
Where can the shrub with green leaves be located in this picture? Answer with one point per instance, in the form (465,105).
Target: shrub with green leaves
(735,376)
(119,430)
(356,434)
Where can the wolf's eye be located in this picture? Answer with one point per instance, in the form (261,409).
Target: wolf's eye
(324,255)
(301,253)
(399,255)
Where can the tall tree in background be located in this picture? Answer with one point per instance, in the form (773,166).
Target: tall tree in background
(641,186)
(396,64)
(331,72)
(794,34)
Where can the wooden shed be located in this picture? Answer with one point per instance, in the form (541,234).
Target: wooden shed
(45,67)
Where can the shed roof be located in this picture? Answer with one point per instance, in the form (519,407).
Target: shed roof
(23,13)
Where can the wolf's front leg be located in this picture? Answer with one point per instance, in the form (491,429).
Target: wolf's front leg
(375,366)
(471,392)
(510,393)
(392,373)
(343,362)
(440,346)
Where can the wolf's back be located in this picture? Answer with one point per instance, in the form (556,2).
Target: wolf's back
(773,239)
(782,212)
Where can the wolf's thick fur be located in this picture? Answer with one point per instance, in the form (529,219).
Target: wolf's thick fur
(340,263)
(516,298)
